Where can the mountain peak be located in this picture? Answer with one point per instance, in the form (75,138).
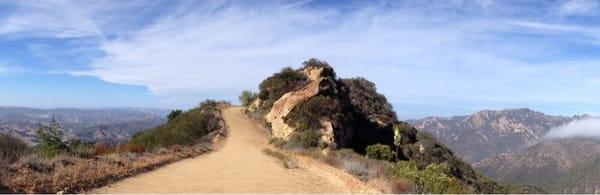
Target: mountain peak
(492,130)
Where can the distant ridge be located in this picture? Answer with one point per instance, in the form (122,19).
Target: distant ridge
(490,132)
(103,124)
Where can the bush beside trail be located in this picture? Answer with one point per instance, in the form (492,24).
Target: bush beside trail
(74,166)
(185,129)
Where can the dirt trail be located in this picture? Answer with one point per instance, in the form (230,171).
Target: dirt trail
(239,166)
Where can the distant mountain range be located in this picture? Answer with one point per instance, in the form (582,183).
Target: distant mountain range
(113,125)
(509,145)
(486,133)
(567,165)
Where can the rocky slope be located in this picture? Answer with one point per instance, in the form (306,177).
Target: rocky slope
(114,125)
(488,132)
(349,113)
(567,165)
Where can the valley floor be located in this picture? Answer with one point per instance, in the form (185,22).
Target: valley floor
(239,166)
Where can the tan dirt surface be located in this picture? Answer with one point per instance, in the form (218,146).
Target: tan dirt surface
(239,166)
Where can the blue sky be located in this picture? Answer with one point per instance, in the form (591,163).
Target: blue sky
(438,58)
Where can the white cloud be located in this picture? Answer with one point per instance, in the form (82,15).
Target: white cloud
(60,19)
(579,7)
(415,54)
(7,68)
(589,127)
(235,47)
(590,34)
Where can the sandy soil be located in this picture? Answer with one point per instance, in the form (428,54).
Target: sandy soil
(239,166)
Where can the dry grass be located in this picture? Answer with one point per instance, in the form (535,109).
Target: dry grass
(365,169)
(33,174)
(287,161)
(101,149)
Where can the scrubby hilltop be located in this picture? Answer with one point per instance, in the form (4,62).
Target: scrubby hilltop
(314,106)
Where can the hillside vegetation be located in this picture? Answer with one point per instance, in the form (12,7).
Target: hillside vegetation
(57,165)
(312,108)
(183,129)
(11,148)
(566,165)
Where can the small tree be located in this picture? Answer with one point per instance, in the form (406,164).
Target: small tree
(380,152)
(247,97)
(174,114)
(50,140)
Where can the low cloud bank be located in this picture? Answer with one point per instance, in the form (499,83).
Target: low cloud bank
(589,127)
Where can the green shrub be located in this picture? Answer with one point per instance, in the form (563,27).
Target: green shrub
(433,179)
(272,88)
(314,62)
(11,148)
(366,100)
(186,129)
(174,114)
(304,139)
(247,97)
(308,115)
(380,152)
(50,140)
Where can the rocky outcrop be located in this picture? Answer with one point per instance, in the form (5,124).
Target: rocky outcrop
(283,106)
(350,113)
(322,82)
(255,105)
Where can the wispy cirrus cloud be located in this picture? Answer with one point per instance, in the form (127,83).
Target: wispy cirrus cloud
(469,54)
(59,19)
(7,67)
(579,7)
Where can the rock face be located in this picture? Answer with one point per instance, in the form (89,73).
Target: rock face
(283,106)
(488,132)
(322,81)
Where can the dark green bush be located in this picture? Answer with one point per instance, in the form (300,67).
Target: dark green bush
(433,179)
(186,129)
(11,148)
(51,143)
(247,97)
(174,114)
(314,62)
(366,100)
(304,139)
(380,152)
(272,88)
(308,115)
